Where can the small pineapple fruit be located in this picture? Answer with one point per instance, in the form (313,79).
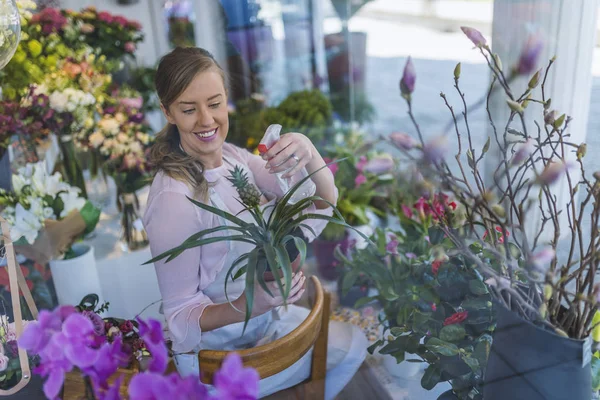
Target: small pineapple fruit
(248,193)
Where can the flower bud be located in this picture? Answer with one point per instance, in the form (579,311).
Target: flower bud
(549,117)
(403,141)
(516,107)
(530,55)
(559,122)
(535,80)
(523,152)
(474,35)
(498,61)
(581,151)
(498,210)
(407,83)
(457,71)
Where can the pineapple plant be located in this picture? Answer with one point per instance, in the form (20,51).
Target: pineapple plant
(249,194)
(270,234)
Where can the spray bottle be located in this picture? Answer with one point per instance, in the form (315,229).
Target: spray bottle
(305,190)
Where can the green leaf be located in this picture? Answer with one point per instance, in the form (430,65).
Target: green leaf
(398,344)
(396,331)
(514,250)
(431,377)
(90,215)
(472,363)
(365,300)
(477,287)
(349,280)
(595,374)
(477,303)
(486,147)
(482,349)
(441,347)
(239,273)
(220,213)
(250,275)
(174,252)
(452,333)
(371,349)
(285,264)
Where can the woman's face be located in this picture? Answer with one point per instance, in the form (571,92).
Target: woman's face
(201,116)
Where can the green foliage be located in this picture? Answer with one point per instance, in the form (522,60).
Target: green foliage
(308,112)
(435,306)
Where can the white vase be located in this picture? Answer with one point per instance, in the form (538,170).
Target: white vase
(76,277)
(405,369)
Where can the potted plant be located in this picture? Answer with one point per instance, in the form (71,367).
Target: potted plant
(271,230)
(435,305)
(360,176)
(77,358)
(47,216)
(543,301)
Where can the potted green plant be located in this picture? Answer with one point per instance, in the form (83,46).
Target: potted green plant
(435,305)
(542,301)
(270,232)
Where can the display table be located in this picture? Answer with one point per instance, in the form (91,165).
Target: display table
(126,284)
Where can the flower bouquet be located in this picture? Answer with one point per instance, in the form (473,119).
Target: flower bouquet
(271,232)
(46,214)
(71,350)
(122,142)
(546,288)
(10,368)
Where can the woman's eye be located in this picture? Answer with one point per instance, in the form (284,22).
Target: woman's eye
(215,105)
(188,111)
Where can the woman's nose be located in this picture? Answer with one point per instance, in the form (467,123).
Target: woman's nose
(206,118)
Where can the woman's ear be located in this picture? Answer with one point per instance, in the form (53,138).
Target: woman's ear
(167,114)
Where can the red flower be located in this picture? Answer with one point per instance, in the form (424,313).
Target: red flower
(433,307)
(499,230)
(456,318)
(435,266)
(126,327)
(4,281)
(407,211)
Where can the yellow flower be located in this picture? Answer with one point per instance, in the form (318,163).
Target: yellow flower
(9,92)
(89,122)
(100,99)
(250,142)
(19,56)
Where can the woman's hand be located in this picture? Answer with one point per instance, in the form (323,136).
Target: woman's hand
(291,153)
(263,302)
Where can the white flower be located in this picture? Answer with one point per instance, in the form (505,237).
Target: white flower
(26,225)
(72,201)
(58,101)
(3,362)
(96,139)
(19,182)
(36,206)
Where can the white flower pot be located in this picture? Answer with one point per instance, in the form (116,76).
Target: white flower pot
(405,370)
(76,277)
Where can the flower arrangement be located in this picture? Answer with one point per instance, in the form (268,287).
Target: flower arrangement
(39,197)
(10,369)
(111,35)
(67,342)
(360,176)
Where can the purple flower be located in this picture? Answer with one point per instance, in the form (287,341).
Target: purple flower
(153,386)
(12,348)
(410,256)
(359,180)
(407,83)
(109,358)
(523,152)
(434,150)
(474,35)
(392,244)
(76,338)
(553,172)
(38,333)
(151,333)
(113,391)
(97,322)
(379,165)
(530,55)
(403,141)
(360,165)
(233,381)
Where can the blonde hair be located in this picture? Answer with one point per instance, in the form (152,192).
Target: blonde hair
(175,72)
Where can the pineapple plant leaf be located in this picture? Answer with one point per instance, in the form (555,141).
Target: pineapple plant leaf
(270,233)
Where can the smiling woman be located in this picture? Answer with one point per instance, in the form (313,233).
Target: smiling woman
(194,160)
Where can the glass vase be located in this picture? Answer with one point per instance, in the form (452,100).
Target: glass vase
(71,169)
(134,235)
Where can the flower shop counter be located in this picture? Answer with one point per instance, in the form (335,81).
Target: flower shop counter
(126,284)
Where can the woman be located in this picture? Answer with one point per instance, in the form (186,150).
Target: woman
(193,160)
